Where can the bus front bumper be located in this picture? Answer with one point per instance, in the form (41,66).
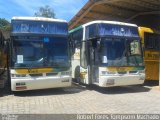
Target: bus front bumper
(23,84)
(110,81)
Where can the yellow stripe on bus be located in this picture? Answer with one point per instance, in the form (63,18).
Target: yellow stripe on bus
(120,69)
(34,70)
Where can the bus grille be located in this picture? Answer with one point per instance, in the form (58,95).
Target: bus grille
(132,72)
(122,72)
(36,75)
(51,74)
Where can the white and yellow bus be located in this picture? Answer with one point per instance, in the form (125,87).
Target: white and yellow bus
(39,51)
(107,53)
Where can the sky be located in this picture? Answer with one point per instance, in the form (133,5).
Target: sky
(64,9)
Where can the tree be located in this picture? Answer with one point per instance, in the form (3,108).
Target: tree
(4,24)
(45,11)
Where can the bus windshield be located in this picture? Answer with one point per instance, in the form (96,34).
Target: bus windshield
(40,52)
(39,27)
(120,52)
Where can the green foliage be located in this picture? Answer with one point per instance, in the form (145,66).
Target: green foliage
(45,11)
(4,24)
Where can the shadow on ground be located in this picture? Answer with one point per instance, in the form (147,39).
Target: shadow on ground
(116,90)
(5,91)
(54,91)
(151,83)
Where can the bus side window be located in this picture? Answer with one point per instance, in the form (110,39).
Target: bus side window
(77,37)
(91,31)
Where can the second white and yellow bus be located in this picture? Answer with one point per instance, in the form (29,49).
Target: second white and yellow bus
(107,53)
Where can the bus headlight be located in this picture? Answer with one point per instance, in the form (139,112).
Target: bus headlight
(66,73)
(104,72)
(108,73)
(18,75)
(141,71)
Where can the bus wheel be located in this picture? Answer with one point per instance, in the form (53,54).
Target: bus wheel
(77,74)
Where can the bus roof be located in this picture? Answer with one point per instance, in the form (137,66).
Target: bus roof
(109,22)
(38,19)
(102,21)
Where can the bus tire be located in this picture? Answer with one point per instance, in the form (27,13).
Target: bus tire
(77,74)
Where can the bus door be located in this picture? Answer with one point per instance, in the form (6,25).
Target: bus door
(93,70)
